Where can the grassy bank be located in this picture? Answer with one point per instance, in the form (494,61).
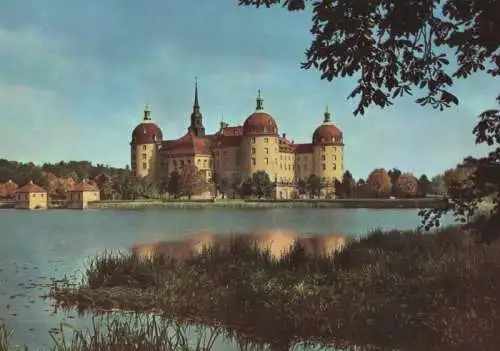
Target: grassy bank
(395,290)
(266,204)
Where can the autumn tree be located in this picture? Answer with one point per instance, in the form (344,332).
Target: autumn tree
(378,183)
(406,185)
(395,47)
(438,187)
(9,189)
(192,181)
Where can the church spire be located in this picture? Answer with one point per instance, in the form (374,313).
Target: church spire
(147,112)
(327,116)
(196,105)
(196,126)
(260,102)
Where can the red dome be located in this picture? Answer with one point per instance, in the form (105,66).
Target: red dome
(146,133)
(327,134)
(260,123)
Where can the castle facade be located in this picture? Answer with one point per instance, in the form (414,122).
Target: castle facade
(234,153)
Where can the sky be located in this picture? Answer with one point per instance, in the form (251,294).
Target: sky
(75,75)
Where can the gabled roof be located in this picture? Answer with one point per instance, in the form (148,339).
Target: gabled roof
(303,148)
(189,144)
(31,188)
(228,141)
(84,186)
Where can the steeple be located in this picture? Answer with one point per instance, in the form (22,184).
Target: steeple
(196,105)
(327,116)
(260,102)
(147,113)
(196,126)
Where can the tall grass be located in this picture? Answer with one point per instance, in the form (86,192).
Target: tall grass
(396,290)
(124,333)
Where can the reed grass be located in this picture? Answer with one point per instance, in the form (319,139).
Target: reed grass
(389,290)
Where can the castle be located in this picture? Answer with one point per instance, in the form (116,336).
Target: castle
(234,153)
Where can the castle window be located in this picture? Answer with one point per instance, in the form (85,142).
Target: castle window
(323,147)
(144,147)
(253,161)
(266,140)
(253,151)
(334,167)
(144,165)
(334,157)
(267,161)
(189,162)
(323,157)
(276,160)
(144,156)
(323,166)
(266,150)
(253,140)
(205,162)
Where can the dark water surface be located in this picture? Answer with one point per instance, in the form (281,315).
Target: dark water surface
(37,246)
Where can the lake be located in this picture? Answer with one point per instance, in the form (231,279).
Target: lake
(39,245)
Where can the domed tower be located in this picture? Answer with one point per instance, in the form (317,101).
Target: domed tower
(260,145)
(146,141)
(328,151)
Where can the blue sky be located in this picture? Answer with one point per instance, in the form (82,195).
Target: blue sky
(75,76)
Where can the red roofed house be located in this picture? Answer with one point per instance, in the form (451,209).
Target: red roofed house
(236,152)
(81,194)
(31,197)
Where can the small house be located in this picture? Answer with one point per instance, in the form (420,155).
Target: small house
(81,194)
(31,197)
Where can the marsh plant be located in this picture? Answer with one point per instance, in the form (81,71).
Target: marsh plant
(124,332)
(389,290)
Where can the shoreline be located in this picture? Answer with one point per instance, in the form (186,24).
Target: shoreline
(417,203)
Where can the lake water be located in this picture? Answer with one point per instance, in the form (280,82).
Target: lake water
(39,245)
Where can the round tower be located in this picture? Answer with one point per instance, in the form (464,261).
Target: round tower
(260,145)
(328,151)
(144,146)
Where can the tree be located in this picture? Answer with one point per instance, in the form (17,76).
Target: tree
(424,186)
(192,181)
(438,186)
(348,185)
(396,46)
(174,186)
(148,190)
(339,188)
(261,184)
(314,186)
(105,184)
(378,183)
(394,175)
(301,187)
(406,185)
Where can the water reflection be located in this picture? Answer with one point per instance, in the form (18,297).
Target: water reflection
(277,241)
